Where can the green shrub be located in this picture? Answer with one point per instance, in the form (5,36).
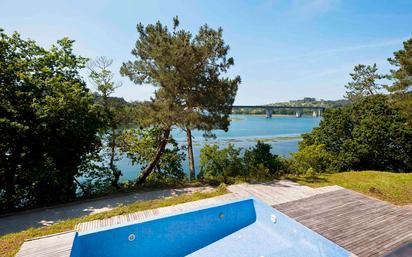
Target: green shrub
(229,165)
(311,159)
(220,164)
(260,157)
(261,172)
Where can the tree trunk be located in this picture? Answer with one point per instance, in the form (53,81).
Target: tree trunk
(9,188)
(192,173)
(10,173)
(85,191)
(116,173)
(160,149)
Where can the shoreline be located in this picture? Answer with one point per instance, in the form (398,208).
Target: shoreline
(264,115)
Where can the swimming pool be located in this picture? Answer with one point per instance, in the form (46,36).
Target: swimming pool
(243,228)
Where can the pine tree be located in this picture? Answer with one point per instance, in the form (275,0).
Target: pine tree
(364,82)
(187,73)
(402,77)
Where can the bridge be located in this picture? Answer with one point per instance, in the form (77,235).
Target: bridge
(317,110)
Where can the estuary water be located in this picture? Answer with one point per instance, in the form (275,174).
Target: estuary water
(281,132)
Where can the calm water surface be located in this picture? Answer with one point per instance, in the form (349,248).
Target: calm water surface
(282,133)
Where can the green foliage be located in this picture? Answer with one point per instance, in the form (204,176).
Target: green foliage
(260,155)
(227,164)
(402,78)
(403,75)
(140,146)
(370,134)
(186,71)
(220,164)
(363,82)
(48,122)
(260,172)
(311,159)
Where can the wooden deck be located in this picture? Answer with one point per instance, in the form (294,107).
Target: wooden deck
(57,245)
(362,225)
(278,192)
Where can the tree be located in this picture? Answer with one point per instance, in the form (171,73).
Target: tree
(205,96)
(363,82)
(102,77)
(186,71)
(402,77)
(48,122)
(370,134)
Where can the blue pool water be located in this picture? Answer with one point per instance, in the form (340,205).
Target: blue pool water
(244,228)
(280,132)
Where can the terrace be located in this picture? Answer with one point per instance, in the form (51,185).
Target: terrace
(364,226)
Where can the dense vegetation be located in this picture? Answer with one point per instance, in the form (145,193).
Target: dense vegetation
(48,122)
(370,134)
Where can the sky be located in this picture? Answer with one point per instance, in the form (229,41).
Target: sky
(283,49)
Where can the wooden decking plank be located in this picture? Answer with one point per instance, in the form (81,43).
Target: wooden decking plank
(52,246)
(365,226)
(377,239)
(385,225)
(338,221)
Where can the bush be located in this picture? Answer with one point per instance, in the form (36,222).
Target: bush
(311,159)
(229,165)
(260,157)
(220,164)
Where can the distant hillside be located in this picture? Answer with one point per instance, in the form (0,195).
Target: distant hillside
(310,101)
(305,102)
(119,101)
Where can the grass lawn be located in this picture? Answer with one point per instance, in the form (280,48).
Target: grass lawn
(392,187)
(10,243)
